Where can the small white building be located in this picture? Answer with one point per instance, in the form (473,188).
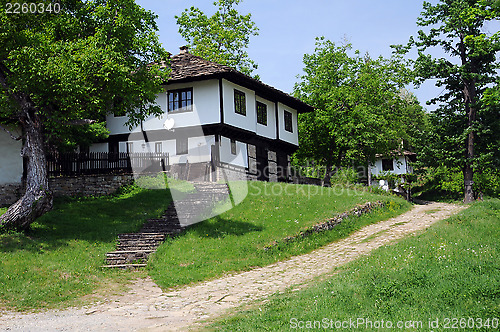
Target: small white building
(215,115)
(397,163)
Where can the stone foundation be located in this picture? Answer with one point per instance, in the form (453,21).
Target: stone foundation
(89,185)
(85,185)
(231,174)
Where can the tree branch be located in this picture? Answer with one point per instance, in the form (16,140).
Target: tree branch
(80,122)
(16,138)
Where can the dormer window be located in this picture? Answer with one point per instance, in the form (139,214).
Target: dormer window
(180,100)
(240,105)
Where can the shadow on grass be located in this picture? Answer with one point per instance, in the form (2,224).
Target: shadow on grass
(95,220)
(218,227)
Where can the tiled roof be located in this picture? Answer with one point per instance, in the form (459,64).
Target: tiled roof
(186,66)
(189,66)
(396,153)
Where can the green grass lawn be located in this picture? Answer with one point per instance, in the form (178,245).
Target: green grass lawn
(58,260)
(450,271)
(57,263)
(235,240)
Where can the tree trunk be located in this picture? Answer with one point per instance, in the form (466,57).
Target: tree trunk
(369,174)
(328,175)
(470,95)
(37,198)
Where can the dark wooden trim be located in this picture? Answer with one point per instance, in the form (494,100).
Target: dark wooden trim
(215,129)
(276,112)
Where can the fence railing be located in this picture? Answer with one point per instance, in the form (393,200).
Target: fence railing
(90,163)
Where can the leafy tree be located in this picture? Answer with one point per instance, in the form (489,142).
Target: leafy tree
(361,109)
(222,38)
(465,119)
(58,70)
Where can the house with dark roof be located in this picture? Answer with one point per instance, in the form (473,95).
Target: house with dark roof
(217,123)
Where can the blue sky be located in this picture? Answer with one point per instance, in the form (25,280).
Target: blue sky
(288,28)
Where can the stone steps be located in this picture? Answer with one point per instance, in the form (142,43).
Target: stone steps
(133,249)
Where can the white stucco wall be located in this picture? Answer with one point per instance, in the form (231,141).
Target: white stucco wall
(241,157)
(400,166)
(206,109)
(248,121)
(290,137)
(11,162)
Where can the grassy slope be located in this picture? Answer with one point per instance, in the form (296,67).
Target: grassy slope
(59,260)
(452,270)
(234,240)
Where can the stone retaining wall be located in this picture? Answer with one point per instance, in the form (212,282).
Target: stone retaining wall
(330,223)
(85,185)
(89,185)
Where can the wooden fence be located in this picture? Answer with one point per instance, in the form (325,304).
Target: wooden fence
(90,163)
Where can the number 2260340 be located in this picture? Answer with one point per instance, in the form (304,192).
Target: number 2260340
(32,8)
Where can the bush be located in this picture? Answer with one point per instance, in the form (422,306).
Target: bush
(444,182)
(345,176)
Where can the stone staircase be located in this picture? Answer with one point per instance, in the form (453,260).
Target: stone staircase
(133,249)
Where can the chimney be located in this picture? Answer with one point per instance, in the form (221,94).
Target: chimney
(184,49)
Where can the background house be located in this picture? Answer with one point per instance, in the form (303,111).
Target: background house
(397,163)
(11,162)
(215,118)
(11,166)
(393,164)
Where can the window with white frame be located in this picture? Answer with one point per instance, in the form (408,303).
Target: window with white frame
(158,147)
(240,106)
(180,100)
(262,113)
(181,146)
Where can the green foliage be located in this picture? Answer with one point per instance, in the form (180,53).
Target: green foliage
(464,129)
(361,107)
(222,37)
(90,59)
(345,176)
(488,182)
(452,270)
(437,183)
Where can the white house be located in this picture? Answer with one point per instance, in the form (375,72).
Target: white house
(398,163)
(215,117)
(11,162)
